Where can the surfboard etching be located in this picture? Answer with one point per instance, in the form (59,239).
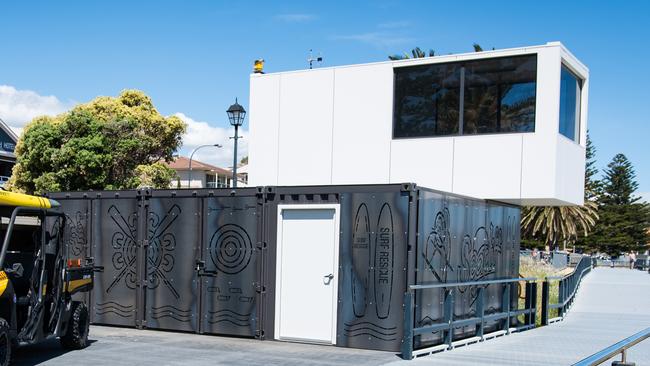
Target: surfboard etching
(384,261)
(360,255)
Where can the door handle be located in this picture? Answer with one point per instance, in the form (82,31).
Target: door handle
(328,278)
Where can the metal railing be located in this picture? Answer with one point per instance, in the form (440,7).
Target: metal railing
(616,348)
(612,263)
(479,319)
(567,288)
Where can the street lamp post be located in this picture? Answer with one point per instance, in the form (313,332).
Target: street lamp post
(236,114)
(189,179)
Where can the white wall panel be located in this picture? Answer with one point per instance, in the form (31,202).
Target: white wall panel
(487,166)
(305,143)
(538,166)
(427,162)
(264,122)
(547,108)
(363,100)
(570,165)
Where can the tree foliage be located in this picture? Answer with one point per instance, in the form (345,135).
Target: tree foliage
(554,225)
(415,53)
(624,221)
(108,143)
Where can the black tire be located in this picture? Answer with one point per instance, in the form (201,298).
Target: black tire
(5,343)
(76,336)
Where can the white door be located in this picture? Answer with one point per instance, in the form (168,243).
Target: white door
(307,259)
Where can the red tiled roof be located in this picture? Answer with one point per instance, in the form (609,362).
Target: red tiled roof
(183,163)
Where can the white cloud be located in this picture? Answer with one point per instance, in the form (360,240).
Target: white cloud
(394,25)
(17,107)
(378,39)
(295,18)
(201,133)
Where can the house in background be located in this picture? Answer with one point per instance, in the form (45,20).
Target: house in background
(8,140)
(203,175)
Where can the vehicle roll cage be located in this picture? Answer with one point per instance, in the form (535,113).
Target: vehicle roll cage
(40,212)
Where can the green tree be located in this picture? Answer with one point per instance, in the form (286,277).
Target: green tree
(415,53)
(592,184)
(554,225)
(108,143)
(624,221)
(587,242)
(157,175)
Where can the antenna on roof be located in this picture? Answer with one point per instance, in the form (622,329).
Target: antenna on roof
(311,59)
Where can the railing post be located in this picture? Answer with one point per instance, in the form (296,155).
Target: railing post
(449,316)
(528,302)
(407,338)
(533,320)
(505,306)
(561,296)
(545,300)
(480,311)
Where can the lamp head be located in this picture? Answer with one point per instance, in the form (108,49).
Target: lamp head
(236,114)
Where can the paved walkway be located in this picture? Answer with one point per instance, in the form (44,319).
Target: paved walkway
(611,305)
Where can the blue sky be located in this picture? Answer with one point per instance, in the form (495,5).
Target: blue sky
(194,57)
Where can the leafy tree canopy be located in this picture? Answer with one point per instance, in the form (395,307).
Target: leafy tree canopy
(624,222)
(108,143)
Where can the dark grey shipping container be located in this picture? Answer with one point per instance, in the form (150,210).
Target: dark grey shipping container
(205,260)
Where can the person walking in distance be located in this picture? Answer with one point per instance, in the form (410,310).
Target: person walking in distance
(632,259)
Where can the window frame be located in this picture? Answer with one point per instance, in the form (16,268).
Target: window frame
(461,94)
(578,113)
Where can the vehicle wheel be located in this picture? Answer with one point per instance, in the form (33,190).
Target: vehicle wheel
(5,343)
(76,336)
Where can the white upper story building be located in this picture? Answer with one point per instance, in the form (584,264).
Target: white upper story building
(507,125)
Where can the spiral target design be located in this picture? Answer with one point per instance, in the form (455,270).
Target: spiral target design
(231,249)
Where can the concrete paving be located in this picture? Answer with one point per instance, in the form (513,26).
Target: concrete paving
(611,305)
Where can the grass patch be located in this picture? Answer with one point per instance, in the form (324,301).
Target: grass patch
(530,268)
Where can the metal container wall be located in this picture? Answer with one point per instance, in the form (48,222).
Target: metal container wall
(372,271)
(116,241)
(204,260)
(462,240)
(230,254)
(172,250)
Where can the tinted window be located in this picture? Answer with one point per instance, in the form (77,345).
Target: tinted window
(569,104)
(426,100)
(500,95)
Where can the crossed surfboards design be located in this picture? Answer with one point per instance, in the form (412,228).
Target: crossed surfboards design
(373,249)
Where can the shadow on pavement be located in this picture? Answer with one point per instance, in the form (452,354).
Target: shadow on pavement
(39,353)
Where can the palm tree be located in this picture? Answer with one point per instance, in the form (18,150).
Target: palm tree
(418,53)
(415,53)
(559,223)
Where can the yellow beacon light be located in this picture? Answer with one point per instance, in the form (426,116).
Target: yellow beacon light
(258,66)
(25,200)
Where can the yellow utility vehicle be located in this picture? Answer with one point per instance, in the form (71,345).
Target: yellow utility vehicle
(38,278)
